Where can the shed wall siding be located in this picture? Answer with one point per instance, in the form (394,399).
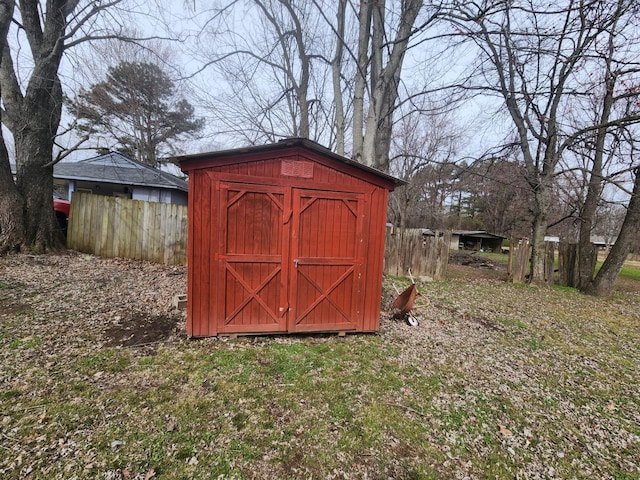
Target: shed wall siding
(325,215)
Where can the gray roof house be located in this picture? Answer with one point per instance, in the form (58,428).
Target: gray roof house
(114,174)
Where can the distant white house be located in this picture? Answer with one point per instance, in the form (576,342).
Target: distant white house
(116,175)
(603,242)
(598,241)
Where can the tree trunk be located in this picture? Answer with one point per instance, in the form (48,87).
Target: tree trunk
(302,86)
(586,250)
(336,69)
(362,66)
(11,226)
(33,118)
(385,127)
(35,182)
(539,230)
(34,138)
(384,85)
(603,283)
(34,130)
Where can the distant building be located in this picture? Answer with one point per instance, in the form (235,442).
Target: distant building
(602,242)
(476,240)
(116,175)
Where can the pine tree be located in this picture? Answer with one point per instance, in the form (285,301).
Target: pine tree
(138,110)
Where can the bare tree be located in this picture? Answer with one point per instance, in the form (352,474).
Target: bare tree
(322,64)
(532,55)
(614,98)
(32,99)
(33,115)
(423,153)
(339,121)
(372,133)
(603,282)
(272,66)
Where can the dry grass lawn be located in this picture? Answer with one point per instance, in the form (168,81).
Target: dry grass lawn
(98,381)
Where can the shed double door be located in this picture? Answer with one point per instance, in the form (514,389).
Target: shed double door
(290,259)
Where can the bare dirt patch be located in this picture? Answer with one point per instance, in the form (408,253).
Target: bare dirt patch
(13,309)
(141,330)
(474,267)
(90,300)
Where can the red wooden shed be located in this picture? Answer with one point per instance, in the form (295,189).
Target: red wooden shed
(285,237)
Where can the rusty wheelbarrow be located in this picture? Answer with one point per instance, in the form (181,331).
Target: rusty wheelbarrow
(401,308)
(404,302)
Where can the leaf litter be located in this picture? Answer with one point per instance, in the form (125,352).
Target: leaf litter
(98,380)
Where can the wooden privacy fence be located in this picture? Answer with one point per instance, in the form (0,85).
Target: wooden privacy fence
(566,269)
(423,255)
(520,257)
(119,227)
(568,263)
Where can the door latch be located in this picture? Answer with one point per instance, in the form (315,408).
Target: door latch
(296,262)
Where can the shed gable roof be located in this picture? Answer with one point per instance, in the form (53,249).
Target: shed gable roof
(119,169)
(244,154)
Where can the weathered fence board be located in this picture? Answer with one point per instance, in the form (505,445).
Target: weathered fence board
(519,256)
(567,267)
(119,227)
(422,255)
(568,263)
